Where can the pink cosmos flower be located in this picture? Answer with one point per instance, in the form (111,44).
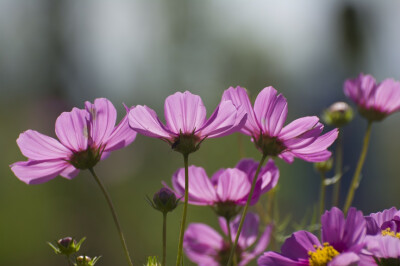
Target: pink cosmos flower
(227,188)
(301,138)
(206,247)
(342,241)
(85,137)
(375,101)
(186,124)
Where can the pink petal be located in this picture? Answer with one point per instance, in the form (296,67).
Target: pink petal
(233,185)
(314,157)
(69,172)
(299,244)
(102,119)
(249,230)
(201,191)
(270,111)
(221,121)
(387,96)
(37,146)
(271,258)
(345,259)
(37,172)
(238,96)
(184,112)
(298,127)
(320,144)
(72,129)
(121,136)
(261,245)
(287,156)
(305,139)
(145,121)
(269,176)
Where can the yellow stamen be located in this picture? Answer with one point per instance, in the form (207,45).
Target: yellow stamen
(388,232)
(322,255)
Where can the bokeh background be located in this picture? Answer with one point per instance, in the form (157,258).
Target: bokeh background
(55,55)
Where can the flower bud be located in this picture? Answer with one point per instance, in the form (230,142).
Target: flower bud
(338,114)
(86,261)
(324,166)
(164,200)
(67,246)
(152,261)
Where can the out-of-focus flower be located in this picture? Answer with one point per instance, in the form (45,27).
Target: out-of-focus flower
(342,241)
(186,124)
(66,246)
(206,247)
(338,114)
(228,189)
(86,261)
(164,200)
(374,101)
(86,136)
(380,221)
(301,138)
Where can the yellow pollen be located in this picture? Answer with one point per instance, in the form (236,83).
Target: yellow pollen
(388,232)
(322,255)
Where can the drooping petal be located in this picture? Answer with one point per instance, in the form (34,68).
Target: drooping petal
(102,118)
(320,144)
(299,244)
(314,157)
(269,176)
(37,172)
(201,191)
(343,234)
(220,122)
(305,139)
(144,120)
(249,230)
(121,136)
(270,111)
(37,146)
(202,243)
(233,185)
(271,258)
(238,96)
(345,259)
(298,127)
(72,129)
(184,112)
(69,172)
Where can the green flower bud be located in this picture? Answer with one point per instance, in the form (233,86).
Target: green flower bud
(338,114)
(164,200)
(152,261)
(325,166)
(86,261)
(67,246)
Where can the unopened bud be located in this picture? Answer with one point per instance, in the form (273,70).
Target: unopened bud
(164,200)
(324,166)
(67,246)
(86,261)
(338,114)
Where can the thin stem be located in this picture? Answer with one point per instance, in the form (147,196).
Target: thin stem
(182,231)
(114,215)
(69,260)
(356,177)
(230,239)
(164,239)
(322,194)
(253,184)
(338,168)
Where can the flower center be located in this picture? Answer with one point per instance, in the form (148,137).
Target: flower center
(388,232)
(186,143)
(227,209)
(322,255)
(86,159)
(372,114)
(270,146)
(225,252)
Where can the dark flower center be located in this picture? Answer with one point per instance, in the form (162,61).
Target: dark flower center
(227,209)
(387,261)
(86,159)
(186,143)
(270,146)
(372,114)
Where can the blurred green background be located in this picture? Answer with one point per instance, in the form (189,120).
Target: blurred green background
(55,55)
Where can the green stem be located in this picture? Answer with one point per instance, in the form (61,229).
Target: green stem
(322,194)
(356,177)
(182,231)
(253,184)
(230,239)
(338,168)
(164,238)
(69,260)
(114,215)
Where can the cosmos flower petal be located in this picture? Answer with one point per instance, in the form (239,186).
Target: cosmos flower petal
(102,117)
(37,146)
(144,120)
(298,245)
(184,112)
(72,129)
(239,98)
(345,259)
(321,143)
(387,96)
(249,230)
(121,136)
(37,172)
(261,245)
(269,176)
(69,172)
(298,127)
(233,185)
(314,157)
(270,111)
(383,246)
(376,220)
(271,258)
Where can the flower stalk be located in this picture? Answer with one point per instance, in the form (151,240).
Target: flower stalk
(338,168)
(253,184)
(356,177)
(114,215)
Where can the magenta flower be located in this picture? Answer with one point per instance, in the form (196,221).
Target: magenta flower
(186,124)
(379,222)
(342,241)
(375,101)
(301,138)
(85,137)
(381,250)
(227,188)
(206,247)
